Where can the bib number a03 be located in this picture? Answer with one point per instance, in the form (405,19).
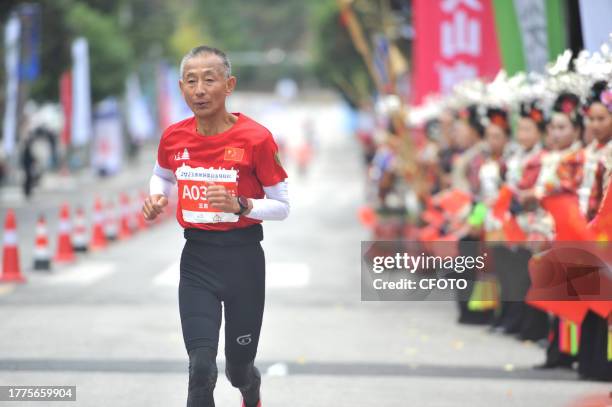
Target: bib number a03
(192,186)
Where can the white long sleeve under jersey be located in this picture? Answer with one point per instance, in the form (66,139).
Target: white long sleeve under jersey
(275,206)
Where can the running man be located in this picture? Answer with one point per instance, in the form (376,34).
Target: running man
(229,179)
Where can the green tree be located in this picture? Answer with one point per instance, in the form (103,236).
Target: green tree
(237,26)
(109,51)
(336,61)
(119,33)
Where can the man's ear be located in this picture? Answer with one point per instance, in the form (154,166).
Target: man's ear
(181,87)
(230,84)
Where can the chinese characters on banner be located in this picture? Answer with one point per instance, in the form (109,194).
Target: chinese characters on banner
(455,40)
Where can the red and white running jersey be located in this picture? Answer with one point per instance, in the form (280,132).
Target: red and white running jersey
(243,158)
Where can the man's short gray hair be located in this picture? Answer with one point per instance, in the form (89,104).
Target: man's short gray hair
(203,49)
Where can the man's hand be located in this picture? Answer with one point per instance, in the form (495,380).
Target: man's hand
(153,206)
(219,198)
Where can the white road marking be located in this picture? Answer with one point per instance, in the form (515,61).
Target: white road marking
(82,274)
(6,288)
(278,369)
(169,277)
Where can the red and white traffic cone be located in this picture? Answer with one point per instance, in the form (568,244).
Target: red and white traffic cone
(110,222)
(125,230)
(64,253)
(42,254)
(80,241)
(98,237)
(11,272)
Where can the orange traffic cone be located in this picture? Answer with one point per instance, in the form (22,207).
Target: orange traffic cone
(11,271)
(98,238)
(42,254)
(79,235)
(110,222)
(64,253)
(125,229)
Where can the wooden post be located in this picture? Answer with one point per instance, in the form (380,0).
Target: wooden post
(407,154)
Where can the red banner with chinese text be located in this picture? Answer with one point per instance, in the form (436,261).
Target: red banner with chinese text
(455,40)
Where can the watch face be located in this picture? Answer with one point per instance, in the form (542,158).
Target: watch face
(244,204)
(242,201)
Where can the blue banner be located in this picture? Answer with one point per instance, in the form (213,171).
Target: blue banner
(29,67)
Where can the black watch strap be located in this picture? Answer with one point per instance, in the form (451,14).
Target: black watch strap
(244,205)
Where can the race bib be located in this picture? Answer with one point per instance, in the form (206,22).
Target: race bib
(192,186)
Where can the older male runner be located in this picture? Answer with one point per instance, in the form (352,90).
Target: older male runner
(229,179)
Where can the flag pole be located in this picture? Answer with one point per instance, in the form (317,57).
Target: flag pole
(359,42)
(355,30)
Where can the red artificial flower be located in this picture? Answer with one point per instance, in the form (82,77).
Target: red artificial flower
(536,115)
(499,120)
(567,106)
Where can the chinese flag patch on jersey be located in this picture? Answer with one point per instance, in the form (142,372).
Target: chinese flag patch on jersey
(233,154)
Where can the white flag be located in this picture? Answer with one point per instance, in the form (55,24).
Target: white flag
(596,19)
(107,145)
(139,121)
(81,93)
(12,33)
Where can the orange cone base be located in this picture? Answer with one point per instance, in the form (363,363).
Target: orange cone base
(95,246)
(10,268)
(64,257)
(12,278)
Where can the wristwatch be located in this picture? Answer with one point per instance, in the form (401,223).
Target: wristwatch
(244,205)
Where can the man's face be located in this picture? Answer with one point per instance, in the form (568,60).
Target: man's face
(204,85)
